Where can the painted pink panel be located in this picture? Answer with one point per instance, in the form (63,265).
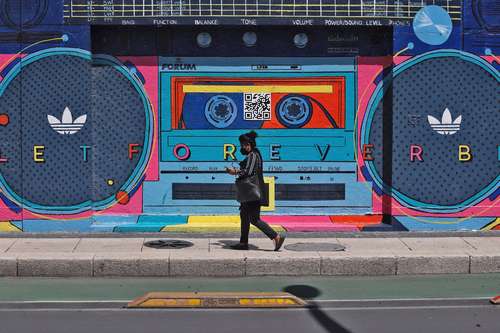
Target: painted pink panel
(320,227)
(148,66)
(309,223)
(297,219)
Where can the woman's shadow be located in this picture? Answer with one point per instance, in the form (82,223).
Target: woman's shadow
(226,244)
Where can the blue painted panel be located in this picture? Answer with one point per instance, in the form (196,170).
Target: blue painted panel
(481,24)
(443,224)
(57,226)
(482,43)
(270,166)
(158,195)
(233,210)
(245,64)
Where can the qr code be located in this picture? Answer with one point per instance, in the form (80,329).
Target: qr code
(257,106)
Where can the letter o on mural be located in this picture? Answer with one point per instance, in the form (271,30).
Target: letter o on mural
(182,152)
(69,99)
(440,100)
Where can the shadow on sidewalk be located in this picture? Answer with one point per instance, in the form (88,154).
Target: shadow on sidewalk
(226,244)
(309,293)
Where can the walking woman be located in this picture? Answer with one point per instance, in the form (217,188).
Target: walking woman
(251,194)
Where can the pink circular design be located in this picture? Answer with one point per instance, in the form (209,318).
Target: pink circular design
(187,153)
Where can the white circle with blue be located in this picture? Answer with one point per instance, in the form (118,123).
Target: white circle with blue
(432,25)
(221,111)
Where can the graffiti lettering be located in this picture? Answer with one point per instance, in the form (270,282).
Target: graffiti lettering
(38,154)
(229,150)
(416,152)
(3,159)
(249,21)
(274,152)
(179,67)
(323,153)
(84,149)
(464,153)
(368,152)
(132,150)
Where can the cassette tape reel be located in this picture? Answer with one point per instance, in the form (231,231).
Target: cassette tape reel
(221,111)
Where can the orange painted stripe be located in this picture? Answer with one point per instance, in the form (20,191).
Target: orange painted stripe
(356,219)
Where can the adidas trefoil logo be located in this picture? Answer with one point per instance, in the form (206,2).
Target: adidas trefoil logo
(67,125)
(446,126)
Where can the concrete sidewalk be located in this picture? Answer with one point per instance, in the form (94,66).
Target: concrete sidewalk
(86,257)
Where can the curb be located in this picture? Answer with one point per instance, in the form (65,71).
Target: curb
(213,265)
(371,234)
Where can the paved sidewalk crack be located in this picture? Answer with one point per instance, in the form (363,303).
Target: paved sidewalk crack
(463,238)
(76,245)
(402,241)
(10,246)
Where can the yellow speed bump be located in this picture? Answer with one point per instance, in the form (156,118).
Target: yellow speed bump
(217,300)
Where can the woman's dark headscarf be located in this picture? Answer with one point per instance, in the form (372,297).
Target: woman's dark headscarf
(249,138)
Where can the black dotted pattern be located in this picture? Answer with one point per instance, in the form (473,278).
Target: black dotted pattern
(428,88)
(115,118)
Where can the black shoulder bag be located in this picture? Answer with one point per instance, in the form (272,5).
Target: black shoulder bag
(247,189)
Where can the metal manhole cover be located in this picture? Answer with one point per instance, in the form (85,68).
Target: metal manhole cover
(324,247)
(168,244)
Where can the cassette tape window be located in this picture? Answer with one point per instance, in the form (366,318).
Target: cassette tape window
(258,103)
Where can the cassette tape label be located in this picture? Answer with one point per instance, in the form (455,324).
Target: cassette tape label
(257,103)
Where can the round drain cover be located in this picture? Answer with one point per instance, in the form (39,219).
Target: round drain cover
(324,247)
(168,244)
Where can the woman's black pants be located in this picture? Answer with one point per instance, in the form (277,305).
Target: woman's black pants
(250,214)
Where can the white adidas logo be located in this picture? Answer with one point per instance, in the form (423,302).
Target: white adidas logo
(66,125)
(446,126)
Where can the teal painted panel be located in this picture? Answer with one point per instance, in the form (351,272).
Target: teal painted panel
(138,228)
(162,219)
(298,148)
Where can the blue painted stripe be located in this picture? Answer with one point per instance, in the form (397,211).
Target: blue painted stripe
(441,224)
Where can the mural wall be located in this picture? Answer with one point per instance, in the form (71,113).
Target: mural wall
(372,115)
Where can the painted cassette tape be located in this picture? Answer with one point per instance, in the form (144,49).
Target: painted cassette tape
(258,103)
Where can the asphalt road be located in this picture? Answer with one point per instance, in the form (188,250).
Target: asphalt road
(402,304)
(355,316)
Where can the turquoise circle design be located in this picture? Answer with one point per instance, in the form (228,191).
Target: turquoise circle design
(432,25)
(139,170)
(366,126)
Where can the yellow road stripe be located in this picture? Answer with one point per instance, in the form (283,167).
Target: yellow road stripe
(193,88)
